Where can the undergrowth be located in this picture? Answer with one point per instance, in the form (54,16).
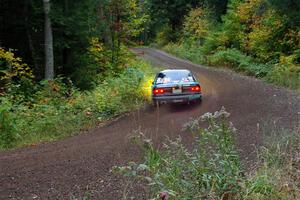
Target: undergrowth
(213,169)
(57,109)
(284,73)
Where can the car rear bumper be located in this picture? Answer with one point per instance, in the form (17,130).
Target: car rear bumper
(177,98)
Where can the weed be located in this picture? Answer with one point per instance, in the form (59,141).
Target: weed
(57,109)
(213,169)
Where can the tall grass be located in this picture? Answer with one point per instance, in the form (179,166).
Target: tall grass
(278,173)
(213,169)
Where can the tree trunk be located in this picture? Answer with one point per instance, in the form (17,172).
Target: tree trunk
(49,57)
(67,51)
(106,32)
(32,49)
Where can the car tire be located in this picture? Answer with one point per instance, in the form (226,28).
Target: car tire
(198,101)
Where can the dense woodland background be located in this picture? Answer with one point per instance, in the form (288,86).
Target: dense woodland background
(80,29)
(55,55)
(65,66)
(260,36)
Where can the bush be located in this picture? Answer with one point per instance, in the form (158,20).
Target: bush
(7,128)
(213,170)
(252,37)
(197,24)
(232,58)
(12,69)
(186,51)
(57,109)
(286,73)
(236,59)
(164,36)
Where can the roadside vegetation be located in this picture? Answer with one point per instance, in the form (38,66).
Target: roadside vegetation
(52,109)
(56,54)
(258,37)
(66,65)
(213,169)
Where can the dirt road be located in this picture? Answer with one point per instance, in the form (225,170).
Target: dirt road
(73,167)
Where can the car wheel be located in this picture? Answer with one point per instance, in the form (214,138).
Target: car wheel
(198,101)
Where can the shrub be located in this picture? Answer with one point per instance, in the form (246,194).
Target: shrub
(186,51)
(57,109)
(232,58)
(164,36)
(286,73)
(12,69)
(211,170)
(236,59)
(253,37)
(7,127)
(197,24)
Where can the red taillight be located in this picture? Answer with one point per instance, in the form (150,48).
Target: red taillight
(196,88)
(158,91)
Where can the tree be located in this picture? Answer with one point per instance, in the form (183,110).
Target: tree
(124,19)
(197,24)
(217,7)
(49,57)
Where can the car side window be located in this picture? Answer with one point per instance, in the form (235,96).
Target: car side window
(189,78)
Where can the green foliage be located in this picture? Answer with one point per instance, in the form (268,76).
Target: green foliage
(218,7)
(197,24)
(7,127)
(164,36)
(186,51)
(255,37)
(93,64)
(75,24)
(123,20)
(90,55)
(168,13)
(172,13)
(237,60)
(212,168)
(289,8)
(12,69)
(57,109)
(286,73)
(277,176)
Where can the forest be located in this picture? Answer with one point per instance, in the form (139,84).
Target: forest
(68,67)
(257,37)
(57,56)
(63,62)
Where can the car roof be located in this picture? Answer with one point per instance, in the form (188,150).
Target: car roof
(175,70)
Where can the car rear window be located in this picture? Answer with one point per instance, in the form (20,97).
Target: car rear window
(174,77)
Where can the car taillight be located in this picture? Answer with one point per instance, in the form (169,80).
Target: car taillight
(158,91)
(196,88)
